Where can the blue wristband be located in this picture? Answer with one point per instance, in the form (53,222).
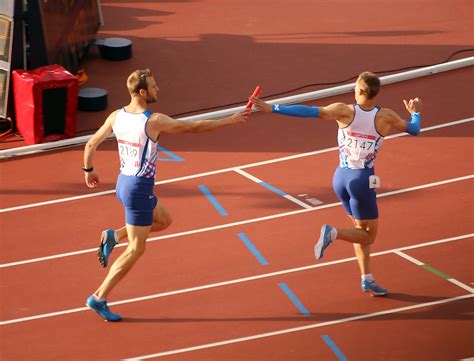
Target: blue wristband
(301,111)
(414,126)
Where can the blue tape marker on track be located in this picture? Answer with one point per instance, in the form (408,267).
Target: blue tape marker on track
(252,248)
(272,188)
(294,299)
(214,202)
(334,348)
(172,157)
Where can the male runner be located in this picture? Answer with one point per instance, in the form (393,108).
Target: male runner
(362,128)
(137,131)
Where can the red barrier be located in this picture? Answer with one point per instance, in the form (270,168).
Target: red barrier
(45,103)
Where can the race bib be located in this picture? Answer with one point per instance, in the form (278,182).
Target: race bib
(129,154)
(360,146)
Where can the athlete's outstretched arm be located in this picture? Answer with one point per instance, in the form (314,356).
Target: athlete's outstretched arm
(333,111)
(163,123)
(91,177)
(413,106)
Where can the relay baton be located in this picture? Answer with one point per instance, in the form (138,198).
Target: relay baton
(256,93)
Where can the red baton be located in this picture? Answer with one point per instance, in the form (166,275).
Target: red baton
(256,93)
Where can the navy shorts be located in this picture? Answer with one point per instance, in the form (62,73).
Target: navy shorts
(352,188)
(136,195)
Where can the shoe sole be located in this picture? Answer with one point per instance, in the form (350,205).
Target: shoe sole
(375,294)
(100,253)
(319,245)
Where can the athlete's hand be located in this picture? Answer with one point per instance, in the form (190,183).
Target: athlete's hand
(261,105)
(92,179)
(413,106)
(241,116)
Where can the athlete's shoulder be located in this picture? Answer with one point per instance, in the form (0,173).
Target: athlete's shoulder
(159,122)
(335,111)
(345,109)
(342,107)
(387,114)
(115,112)
(111,118)
(158,117)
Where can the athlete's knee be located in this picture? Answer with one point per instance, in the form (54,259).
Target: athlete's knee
(136,249)
(370,234)
(370,239)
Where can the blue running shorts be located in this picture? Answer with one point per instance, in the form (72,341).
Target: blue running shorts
(352,188)
(136,195)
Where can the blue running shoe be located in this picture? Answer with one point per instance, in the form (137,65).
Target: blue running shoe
(373,288)
(107,244)
(323,242)
(102,309)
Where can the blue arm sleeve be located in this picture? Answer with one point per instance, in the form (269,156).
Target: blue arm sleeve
(414,126)
(302,111)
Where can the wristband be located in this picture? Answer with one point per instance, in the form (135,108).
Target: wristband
(414,126)
(301,111)
(87,170)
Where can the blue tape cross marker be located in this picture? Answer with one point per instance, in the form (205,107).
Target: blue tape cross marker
(172,157)
(294,299)
(214,202)
(272,188)
(252,248)
(334,348)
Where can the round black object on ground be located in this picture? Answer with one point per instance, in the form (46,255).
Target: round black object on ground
(115,48)
(92,99)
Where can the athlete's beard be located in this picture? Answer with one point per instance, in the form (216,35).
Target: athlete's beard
(150,100)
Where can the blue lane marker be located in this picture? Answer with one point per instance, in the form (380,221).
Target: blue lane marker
(334,348)
(252,248)
(172,157)
(214,202)
(272,188)
(293,299)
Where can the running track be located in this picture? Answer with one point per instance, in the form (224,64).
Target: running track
(200,293)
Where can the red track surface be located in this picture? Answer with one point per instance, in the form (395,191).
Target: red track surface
(33,289)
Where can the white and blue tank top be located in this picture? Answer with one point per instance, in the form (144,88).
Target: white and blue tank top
(137,151)
(359,142)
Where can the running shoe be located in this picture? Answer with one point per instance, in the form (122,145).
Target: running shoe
(324,241)
(102,309)
(373,288)
(107,244)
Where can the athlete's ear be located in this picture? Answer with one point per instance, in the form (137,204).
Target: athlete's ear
(142,92)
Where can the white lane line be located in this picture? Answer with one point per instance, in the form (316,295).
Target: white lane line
(224,170)
(239,223)
(462,285)
(238,280)
(56,201)
(434,271)
(409,258)
(275,190)
(298,329)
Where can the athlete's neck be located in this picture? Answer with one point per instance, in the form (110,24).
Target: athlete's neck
(366,104)
(136,105)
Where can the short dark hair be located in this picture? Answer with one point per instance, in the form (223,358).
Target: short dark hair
(138,80)
(372,81)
